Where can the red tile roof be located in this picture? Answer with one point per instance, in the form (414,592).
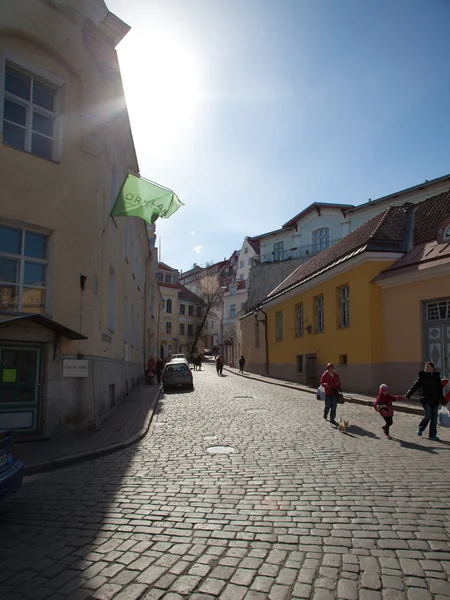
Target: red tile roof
(188,296)
(388,231)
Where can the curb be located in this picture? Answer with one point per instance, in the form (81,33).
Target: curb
(352,399)
(73,459)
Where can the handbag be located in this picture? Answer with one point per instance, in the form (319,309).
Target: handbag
(444,417)
(341,399)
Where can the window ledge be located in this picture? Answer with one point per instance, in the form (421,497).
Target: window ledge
(50,160)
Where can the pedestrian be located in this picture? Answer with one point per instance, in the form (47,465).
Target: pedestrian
(431,396)
(332,386)
(384,405)
(219,364)
(150,372)
(241,364)
(159,368)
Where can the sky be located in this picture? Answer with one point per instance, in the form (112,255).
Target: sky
(250,110)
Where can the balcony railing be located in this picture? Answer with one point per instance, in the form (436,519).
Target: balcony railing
(298,252)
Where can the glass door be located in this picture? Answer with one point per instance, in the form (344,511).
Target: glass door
(20,387)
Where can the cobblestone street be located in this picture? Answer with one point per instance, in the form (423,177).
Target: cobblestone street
(298,510)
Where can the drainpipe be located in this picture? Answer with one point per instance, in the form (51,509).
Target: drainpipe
(264,321)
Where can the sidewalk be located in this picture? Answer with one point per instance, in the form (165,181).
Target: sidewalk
(126,426)
(412,407)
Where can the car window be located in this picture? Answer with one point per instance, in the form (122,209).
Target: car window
(176,368)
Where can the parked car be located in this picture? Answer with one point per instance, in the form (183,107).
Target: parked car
(177,356)
(11,470)
(177,373)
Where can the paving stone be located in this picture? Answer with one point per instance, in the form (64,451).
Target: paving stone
(233,592)
(279,592)
(418,594)
(185,584)
(302,590)
(347,589)
(243,577)
(212,586)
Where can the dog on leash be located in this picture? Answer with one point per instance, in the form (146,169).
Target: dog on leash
(343,425)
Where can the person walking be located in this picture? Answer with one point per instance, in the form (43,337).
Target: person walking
(332,386)
(431,396)
(159,368)
(219,364)
(384,405)
(241,364)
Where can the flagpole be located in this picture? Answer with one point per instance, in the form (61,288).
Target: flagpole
(118,194)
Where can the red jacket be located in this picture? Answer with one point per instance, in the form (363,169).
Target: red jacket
(385,401)
(330,383)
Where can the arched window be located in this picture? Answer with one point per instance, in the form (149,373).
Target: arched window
(169,306)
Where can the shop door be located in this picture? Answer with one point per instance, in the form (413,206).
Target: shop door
(439,348)
(20,387)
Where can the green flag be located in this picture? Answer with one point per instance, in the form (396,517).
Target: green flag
(141,198)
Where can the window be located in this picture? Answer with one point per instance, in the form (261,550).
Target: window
(446,236)
(169,349)
(343,359)
(232,290)
(344,306)
(206,325)
(232,311)
(246,250)
(159,276)
(169,327)
(279,325)
(241,264)
(168,305)
(199,311)
(23,270)
(190,330)
(241,276)
(112,300)
(257,341)
(278,251)
(299,320)
(182,329)
(190,310)
(249,262)
(182,309)
(300,363)
(167,278)
(319,314)
(435,310)
(29,113)
(321,239)
(213,325)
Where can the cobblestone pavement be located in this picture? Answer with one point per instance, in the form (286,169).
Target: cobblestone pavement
(298,511)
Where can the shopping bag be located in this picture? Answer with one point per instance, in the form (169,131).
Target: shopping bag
(341,399)
(320,393)
(444,417)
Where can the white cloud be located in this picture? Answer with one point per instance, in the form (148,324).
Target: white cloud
(192,232)
(197,249)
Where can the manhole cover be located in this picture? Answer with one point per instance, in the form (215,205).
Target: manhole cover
(254,411)
(210,438)
(221,449)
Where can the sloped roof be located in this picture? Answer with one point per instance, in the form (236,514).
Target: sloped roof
(422,257)
(163,267)
(384,232)
(388,231)
(316,206)
(255,244)
(188,296)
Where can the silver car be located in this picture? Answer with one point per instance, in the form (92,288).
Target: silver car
(177,373)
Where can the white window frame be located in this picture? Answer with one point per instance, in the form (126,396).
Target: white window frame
(241,264)
(246,250)
(47,78)
(232,290)
(23,259)
(191,330)
(183,309)
(232,311)
(169,312)
(317,239)
(320,314)
(182,329)
(299,320)
(278,250)
(344,306)
(169,326)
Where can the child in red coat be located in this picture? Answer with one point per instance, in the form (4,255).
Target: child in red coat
(384,405)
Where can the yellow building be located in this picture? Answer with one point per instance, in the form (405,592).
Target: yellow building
(74,283)
(181,316)
(363,304)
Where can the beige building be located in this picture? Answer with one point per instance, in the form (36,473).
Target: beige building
(181,315)
(75,284)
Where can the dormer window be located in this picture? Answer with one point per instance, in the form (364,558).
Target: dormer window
(446,236)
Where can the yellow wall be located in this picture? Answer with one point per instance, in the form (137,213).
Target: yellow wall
(402,312)
(361,341)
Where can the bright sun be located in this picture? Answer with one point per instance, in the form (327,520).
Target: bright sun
(161,81)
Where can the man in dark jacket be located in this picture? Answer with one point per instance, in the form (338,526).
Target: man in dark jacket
(431,396)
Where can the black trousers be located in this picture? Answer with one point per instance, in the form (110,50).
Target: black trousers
(389,421)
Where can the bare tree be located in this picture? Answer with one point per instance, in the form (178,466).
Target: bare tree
(211,292)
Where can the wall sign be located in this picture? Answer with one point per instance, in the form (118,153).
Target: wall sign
(75,368)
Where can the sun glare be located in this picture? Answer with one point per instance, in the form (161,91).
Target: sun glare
(162,84)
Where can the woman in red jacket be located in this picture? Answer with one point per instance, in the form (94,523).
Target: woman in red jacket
(332,386)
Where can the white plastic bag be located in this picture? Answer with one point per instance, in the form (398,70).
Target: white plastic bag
(444,417)
(321,393)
